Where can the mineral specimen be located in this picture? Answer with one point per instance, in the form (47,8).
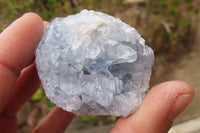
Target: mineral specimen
(94,64)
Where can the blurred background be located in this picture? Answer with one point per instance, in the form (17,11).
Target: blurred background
(170,27)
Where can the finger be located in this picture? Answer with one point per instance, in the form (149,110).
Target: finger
(55,122)
(161,105)
(26,85)
(17,51)
(18,41)
(6,123)
(45,23)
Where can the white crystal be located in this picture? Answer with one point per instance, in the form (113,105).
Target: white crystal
(94,64)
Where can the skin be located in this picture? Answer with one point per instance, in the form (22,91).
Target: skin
(19,81)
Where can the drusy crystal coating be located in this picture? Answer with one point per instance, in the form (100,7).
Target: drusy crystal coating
(94,64)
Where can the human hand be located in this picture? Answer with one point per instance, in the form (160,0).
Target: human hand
(19,78)
(19,81)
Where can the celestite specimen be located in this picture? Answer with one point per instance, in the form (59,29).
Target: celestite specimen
(94,64)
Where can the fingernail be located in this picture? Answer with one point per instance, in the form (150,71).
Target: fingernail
(180,104)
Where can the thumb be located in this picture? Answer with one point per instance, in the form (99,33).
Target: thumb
(159,108)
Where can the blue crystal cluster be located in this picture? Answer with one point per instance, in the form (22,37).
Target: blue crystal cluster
(94,64)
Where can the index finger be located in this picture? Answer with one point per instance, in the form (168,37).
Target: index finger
(18,41)
(17,45)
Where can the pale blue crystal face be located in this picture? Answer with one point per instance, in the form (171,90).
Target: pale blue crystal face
(94,64)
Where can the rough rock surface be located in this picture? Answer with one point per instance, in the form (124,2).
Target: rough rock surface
(94,64)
